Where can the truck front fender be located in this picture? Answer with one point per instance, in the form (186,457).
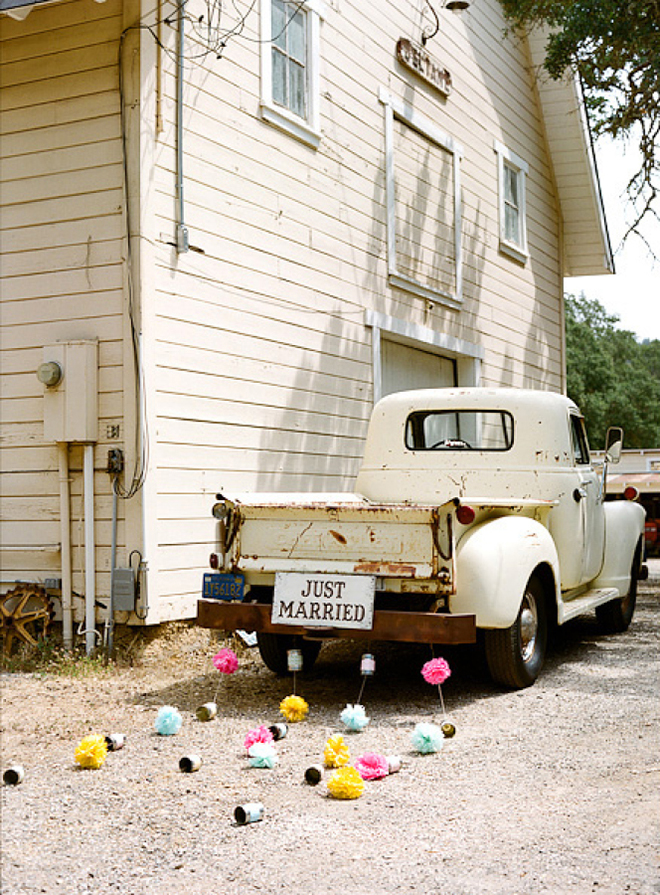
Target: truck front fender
(494,562)
(624,529)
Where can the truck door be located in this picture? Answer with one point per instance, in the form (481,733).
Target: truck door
(588,497)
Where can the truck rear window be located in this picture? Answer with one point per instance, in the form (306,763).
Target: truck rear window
(459,430)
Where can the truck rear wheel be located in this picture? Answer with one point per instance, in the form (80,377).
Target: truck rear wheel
(516,655)
(274,647)
(615,617)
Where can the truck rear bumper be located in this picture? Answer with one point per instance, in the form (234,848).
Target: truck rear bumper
(407,627)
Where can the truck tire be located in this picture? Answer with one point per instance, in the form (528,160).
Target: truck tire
(516,655)
(615,617)
(273,649)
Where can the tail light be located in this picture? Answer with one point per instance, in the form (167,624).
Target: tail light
(465,515)
(631,493)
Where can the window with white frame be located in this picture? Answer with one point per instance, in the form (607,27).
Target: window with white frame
(290,67)
(423,194)
(512,171)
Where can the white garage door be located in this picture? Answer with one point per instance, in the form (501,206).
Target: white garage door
(405,368)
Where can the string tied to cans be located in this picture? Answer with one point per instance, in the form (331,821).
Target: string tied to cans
(354,716)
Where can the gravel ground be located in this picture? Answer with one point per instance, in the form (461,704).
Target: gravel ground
(553,789)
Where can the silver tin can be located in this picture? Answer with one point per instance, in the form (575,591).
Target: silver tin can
(294,659)
(279,731)
(393,764)
(368,664)
(13,775)
(115,741)
(207,712)
(249,813)
(314,774)
(190,763)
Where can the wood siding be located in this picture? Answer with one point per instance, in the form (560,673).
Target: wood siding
(62,272)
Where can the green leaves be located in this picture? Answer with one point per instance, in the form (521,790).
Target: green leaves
(612,377)
(615,47)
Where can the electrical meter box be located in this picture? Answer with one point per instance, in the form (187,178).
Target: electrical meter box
(71,406)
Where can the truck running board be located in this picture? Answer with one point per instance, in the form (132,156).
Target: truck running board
(586,602)
(408,627)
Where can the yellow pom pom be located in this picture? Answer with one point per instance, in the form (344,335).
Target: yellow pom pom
(294,708)
(91,752)
(346,783)
(335,753)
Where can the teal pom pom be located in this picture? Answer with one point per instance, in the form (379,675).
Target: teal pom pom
(354,717)
(168,721)
(427,738)
(262,755)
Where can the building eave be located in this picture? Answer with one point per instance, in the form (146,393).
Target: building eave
(587,248)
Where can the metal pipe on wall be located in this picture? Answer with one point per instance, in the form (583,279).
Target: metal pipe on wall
(65,538)
(90,563)
(181,229)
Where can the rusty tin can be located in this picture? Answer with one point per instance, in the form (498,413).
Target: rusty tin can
(207,712)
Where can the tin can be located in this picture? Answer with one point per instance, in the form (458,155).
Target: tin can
(294,659)
(14,775)
(115,741)
(393,764)
(279,731)
(249,813)
(368,664)
(190,763)
(448,729)
(313,775)
(207,712)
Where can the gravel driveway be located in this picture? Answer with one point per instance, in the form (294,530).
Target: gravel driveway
(554,789)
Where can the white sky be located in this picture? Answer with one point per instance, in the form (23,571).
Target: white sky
(633,293)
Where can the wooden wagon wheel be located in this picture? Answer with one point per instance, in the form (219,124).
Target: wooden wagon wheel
(25,613)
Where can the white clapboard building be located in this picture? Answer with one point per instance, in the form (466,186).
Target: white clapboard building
(227,229)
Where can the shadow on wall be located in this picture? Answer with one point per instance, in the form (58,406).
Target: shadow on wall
(319,441)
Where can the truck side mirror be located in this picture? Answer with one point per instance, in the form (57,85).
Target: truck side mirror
(613,444)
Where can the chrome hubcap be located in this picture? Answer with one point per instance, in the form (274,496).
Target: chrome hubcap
(529,625)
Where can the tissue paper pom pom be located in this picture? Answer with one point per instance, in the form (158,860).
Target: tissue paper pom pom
(294,708)
(168,721)
(346,783)
(258,735)
(354,717)
(262,755)
(335,753)
(372,766)
(91,752)
(226,661)
(427,738)
(436,671)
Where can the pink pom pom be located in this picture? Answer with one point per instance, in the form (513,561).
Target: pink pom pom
(436,671)
(226,661)
(372,766)
(258,735)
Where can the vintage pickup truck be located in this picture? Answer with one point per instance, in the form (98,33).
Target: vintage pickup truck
(474,509)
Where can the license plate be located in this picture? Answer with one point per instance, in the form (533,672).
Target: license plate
(223,586)
(324,601)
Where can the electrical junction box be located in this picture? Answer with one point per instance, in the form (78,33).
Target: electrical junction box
(123,590)
(71,406)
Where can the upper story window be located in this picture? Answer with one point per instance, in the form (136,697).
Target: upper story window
(290,67)
(512,171)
